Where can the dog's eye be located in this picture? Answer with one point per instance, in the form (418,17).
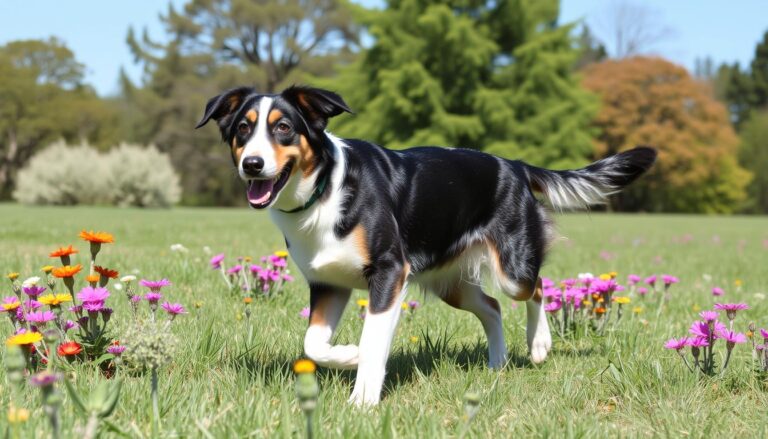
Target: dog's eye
(283,128)
(243,128)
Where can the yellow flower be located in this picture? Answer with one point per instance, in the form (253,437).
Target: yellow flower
(12,276)
(67,271)
(47,269)
(605,276)
(414,339)
(622,300)
(92,279)
(17,416)
(304,366)
(362,303)
(750,334)
(281,254)
(737,282)
(404,306)
(637,309)
(600,300)
(55,299)
(247,259)
(198,304)
(11,306)
(587,303)
(24,339)
(696,308)
(613,274)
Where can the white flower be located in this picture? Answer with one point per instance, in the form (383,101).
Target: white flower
(129,278)
(118,286)
(30,282)
(586,276)
(135,271)
(207,250)
(179,248)
(759,296)
(707,278)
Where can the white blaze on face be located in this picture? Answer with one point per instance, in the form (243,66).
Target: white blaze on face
(259,145)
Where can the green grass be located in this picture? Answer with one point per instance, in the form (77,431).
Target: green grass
(232,376)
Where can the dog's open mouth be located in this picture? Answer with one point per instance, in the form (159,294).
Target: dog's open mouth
(262,192)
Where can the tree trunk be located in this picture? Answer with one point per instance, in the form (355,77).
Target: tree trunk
(6,163)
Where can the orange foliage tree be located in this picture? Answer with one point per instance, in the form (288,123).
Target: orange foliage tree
(650,101)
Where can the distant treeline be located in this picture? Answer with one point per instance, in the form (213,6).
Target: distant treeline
(503,77)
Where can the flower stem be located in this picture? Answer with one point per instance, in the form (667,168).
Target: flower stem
(310,431)
(155,407)
(685,361)
(727,358)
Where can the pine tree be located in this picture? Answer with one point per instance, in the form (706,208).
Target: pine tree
(494,76)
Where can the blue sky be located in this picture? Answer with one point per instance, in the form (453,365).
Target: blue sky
(95,29)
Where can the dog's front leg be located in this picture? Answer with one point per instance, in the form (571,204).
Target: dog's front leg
(388,284)
(326,306)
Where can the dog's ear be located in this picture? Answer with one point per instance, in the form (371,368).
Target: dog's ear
(223,105)
(316,105)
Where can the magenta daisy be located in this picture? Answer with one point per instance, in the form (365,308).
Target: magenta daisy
(173,309)
(697,342)
(553,306)
(234,270)
(732,338)
(116,350)
(764,333)
(40,316)
(90,294)
(709,316)
(304,313)
(216,261)
(93,306)
(153,297)
(702,329)
(31,304)
(33,291)
(642,291)
(676,344)
(413,304)
(288,278)
(669,279)
(717,292)
(154,285)
(44,379)
(731,308)
(70,325)
(633,279)
(547,282)
(650,280)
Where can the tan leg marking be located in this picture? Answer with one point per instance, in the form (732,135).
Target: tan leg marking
(360,239)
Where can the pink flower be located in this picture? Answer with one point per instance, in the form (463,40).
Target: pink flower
(731,338)
(173,309)
(552,292)
(33,291)
(717,292)
(633,279)
(235,269)
(413,304)
(702,329)
(279,263)
(676,344)
(650,280)
(669,280)
(642,291)
(136,298)
(547,282)
(255,270)
(304,313)
(697,342)
(90,294)
(764,333)
(31,304)
(116,350)
(709,316)
(731,308)
(216,261)
(70,325)
(93,306)
(288,278)
(553,306)
(40,316)
(153,297)
(154,285)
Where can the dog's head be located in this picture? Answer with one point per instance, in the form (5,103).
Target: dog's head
(274,138)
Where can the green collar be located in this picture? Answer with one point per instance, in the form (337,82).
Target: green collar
(319,189)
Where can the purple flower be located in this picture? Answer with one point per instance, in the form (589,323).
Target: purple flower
(278,262)
(676,344)
(255,270)
(90,294)
(651,280)
(731,308)
(154,285)
(413,304)
(33,291)
(304,313)
(669,279)
(632,279)
(551,292)
(642,291)
(116,350)
(708,316)
(44,379)
(702,329)
(697,342)
(173,309)
(547,282)
(106,314)
(717,292)
(216,261)
(70,325)
(274,276)
(77,309)
(764,333)
(731,338)
(153,297)
(288,278)
(234,270)
(136,298)
(31,304)
(93,306)
(41,316)
(553,306)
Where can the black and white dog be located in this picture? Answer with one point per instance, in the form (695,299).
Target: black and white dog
(356,215)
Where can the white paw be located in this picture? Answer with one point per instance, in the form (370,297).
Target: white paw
(335,357)
(540,346)
(361,398)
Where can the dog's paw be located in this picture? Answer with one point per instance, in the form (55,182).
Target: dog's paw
(497,361)
(540,347)
(363,399)
(335,357)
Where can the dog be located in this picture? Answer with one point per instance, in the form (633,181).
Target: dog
(357,215)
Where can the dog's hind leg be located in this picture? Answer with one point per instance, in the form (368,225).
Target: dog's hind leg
(470,297)
(326,307)
(537,328)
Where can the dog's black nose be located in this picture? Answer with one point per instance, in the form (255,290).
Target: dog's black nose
(252,165)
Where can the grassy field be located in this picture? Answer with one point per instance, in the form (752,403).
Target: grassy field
(232,378)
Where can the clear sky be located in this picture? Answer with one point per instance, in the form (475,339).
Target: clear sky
(95,29)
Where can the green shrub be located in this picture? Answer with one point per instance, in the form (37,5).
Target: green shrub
(127,175)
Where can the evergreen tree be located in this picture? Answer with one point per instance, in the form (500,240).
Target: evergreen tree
(495,76)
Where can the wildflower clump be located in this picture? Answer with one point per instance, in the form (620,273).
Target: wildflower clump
(246,279)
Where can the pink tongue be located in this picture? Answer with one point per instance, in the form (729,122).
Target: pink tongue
(259,191)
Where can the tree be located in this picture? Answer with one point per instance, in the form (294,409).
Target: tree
(631,29)
(754,157)
(653,102)
(759,74)
(494,76)
(42,97)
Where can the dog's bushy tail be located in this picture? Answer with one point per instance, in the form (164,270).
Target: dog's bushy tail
(583,187)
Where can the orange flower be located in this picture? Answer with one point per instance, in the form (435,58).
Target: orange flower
(106,272)
(63,251)
(69,348)
(67,271)
(600,310)
(92,279)
(247,300)
(97,237)
(304,366)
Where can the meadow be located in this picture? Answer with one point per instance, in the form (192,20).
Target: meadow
(231,376)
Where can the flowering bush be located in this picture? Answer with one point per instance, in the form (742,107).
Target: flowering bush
(127,175)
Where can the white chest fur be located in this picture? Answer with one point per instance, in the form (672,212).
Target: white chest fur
(314,247)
